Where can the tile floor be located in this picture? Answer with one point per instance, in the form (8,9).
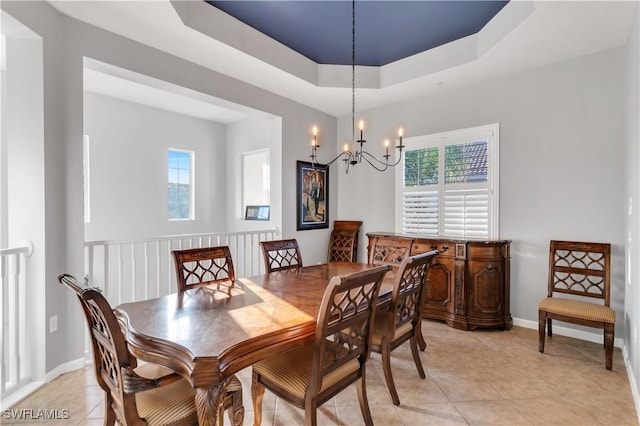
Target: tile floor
(475,378)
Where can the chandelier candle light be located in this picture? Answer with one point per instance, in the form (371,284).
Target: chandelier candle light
(358,154)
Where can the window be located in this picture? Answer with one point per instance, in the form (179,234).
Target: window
(180,195)
(256,178)
(447,184)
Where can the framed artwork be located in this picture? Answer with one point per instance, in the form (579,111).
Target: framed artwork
(312,195)
(257,213)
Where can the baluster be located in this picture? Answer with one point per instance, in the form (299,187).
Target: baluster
(16,323)
(90,255)
(3,307)
(119,274)
(158,293)
(146,270)
(133,273)
(106,270)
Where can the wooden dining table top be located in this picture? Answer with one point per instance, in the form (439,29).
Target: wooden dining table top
(208,334)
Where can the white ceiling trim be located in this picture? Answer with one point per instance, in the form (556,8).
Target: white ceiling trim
(225,28)
(554,31)
(110,80)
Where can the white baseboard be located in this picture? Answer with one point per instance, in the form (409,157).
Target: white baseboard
(569,332)
(27,389)
(19,394)
(635,386)
(64,368)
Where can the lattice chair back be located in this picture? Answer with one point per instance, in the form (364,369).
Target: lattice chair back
(407,299)
(389,251)
(343,242)
(580,269)
(345,322)
(204,266)
(281,254)
(110,353)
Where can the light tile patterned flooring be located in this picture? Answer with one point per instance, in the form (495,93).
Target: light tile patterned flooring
(473,377)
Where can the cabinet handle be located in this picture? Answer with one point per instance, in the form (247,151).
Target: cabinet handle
(434,247)
(489,267)
(445,248)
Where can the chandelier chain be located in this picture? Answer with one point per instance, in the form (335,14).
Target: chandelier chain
(353,70)
(356,154)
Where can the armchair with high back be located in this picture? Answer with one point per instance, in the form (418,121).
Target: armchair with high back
(580,270)
(204,266)
(143,394)
(281,254)
(309,376)
(343,242)
(403,319)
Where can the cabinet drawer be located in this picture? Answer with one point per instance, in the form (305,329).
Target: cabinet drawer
(487,251)
(445,249)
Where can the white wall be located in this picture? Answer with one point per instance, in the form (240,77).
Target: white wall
(561,151)
(631,318)
(22,210)
(128,154)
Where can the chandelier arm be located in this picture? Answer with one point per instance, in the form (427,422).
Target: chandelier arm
(397,161)
(366,158)
(380,161)
(345,154)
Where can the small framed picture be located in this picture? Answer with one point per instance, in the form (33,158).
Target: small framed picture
(257,213)
(312,196)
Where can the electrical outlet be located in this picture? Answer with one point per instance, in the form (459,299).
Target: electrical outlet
(53,323)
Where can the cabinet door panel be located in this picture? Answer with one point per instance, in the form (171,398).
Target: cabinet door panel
(440,291)
(486,289)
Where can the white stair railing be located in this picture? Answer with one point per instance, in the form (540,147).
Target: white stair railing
(13,274)
(132,270)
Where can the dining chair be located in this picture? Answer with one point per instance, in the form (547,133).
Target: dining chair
(281,254)
(145,394)
(312,374)
(199,267)
(343,242)
(403,319)
(581,270)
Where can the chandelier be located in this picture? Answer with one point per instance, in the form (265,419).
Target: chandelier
(354,156)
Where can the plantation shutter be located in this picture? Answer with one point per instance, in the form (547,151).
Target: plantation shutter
(466,213)
(448,184)
(420,212)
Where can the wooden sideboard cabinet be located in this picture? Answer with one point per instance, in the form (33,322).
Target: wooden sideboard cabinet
(468,285)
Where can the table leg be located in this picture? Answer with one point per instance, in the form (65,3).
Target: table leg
(208,401)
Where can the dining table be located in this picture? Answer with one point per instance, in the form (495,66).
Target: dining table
(210,333)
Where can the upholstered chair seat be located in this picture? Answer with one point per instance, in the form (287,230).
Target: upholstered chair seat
(293,371)
(578,309)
